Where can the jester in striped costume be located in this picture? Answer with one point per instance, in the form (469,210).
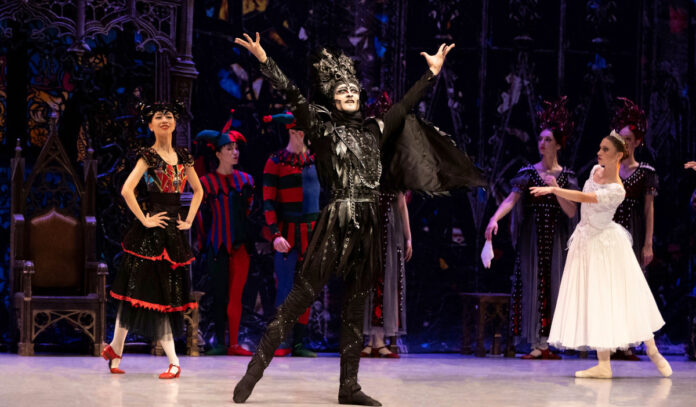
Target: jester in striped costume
(291,207)
(228,197)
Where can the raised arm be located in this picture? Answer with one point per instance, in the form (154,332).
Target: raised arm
(394,117)
(297,103)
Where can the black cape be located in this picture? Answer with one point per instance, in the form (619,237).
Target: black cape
(425,159)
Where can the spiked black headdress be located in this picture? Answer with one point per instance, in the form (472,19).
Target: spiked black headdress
(332,68)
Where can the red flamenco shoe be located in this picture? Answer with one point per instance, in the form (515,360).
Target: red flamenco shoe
(282,352)
(548,355)
(236,350)
(169,375)
(390,355)
(108,354)
(529,356)
(364,354)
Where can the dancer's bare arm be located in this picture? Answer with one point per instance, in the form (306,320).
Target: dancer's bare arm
(569,194)
(568,207)
(197,188)
(649,212)
(504,208)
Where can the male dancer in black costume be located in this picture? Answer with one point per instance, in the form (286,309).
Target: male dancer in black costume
(346,236)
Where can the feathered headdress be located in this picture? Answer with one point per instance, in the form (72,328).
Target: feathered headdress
(332,68)
(147,111)
(556,118)
(629,114)
(221,138)
(286,118)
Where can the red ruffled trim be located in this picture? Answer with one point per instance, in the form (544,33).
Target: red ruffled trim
(163,256)
(152,306)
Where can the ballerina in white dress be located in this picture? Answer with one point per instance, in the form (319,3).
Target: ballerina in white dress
(604,302)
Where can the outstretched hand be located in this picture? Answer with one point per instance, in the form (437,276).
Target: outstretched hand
(253,46)
(435,61)
(690,164)
(540,191)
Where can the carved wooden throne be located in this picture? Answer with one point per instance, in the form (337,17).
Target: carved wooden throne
(54,272)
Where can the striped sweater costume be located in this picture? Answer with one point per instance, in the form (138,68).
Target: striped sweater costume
(227,202)
(291,197)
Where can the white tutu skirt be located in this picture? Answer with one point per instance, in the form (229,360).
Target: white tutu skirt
(604,301)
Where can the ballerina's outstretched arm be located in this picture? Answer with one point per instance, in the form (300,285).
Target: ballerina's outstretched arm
(569,194)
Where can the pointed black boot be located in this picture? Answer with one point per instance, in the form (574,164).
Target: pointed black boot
(349,391)
(243,389)
(358,398)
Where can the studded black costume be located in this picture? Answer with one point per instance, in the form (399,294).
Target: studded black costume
(631,213)
(345,241)
(541,231)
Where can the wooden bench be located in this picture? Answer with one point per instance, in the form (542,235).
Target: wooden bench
(481,310)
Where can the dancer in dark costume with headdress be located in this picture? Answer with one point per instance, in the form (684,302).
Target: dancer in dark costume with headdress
(636,213)
(153,283)
(346,237)
(541,227)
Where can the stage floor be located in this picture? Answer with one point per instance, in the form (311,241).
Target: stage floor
(414,380)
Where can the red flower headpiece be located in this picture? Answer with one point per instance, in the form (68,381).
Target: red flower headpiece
(632,116)
(556,118)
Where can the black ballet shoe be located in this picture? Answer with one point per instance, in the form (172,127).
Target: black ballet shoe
(243,389)
(358,399)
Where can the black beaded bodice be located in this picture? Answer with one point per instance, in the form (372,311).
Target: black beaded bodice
(643,181)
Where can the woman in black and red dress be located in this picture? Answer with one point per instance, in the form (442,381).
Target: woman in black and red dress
(153,283)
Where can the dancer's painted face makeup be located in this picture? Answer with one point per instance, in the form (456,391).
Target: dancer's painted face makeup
(347,97)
